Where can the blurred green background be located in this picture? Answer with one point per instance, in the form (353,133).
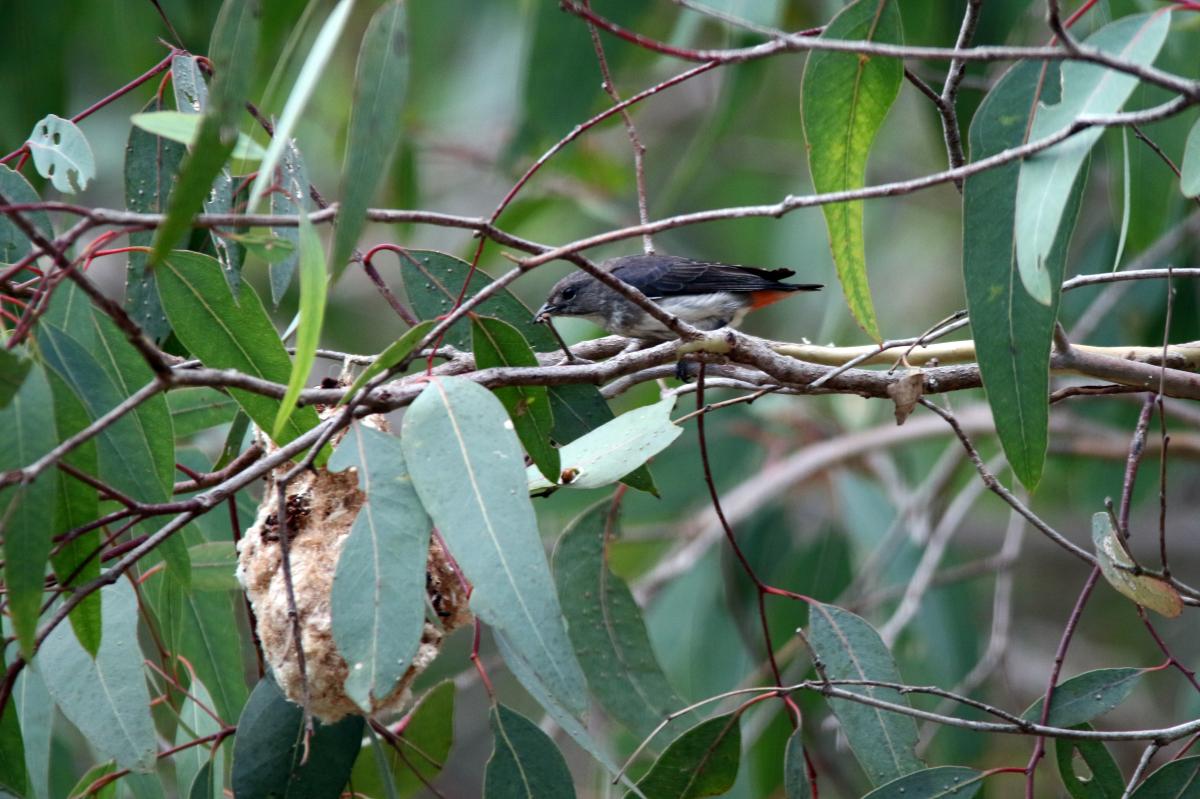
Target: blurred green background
(493,84)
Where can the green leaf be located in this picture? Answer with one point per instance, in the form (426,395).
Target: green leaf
(795,771)
(396,352)
(306,82)
(109,791)
(225,334)
(199,408)
(1189,180)
(497,343)
(1179,779)
(932,783)
(378,596)
(291,197)
(213,564)
(78,503)
(1086,696)
(151,167)
(844,99)
(850,649)
(1102,778)
(606,627)
(207,635)
(525,763)
(105,697)
(29,433)
(1119,569)
(61,153)
(266,245)
(33,706)
(204,785)
(380,81)
(1013,331)
(14,776)
(1046,180)
(432,282)
(701,762)
(14,245)
(269,746)
(194,765)
(13,369)
(579,409)
(183,127)
(468,470)
(426,740)
(232,51)
(606,454)
(187,84)
(312,315)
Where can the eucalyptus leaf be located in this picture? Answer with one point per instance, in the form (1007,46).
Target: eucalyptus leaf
(61,153)
(1086,696)
(14,244)
(1099,777)
(525,763)
(1119,570)
(940,782)
(701,762)
(183,128)
(312,316)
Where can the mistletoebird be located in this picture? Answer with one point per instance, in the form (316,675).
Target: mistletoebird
(705,294)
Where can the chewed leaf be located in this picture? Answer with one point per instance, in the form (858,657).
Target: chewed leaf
(62,153)
(1122,574)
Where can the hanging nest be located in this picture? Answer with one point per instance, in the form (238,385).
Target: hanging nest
(321,508)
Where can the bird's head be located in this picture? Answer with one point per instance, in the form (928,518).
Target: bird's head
(577,294)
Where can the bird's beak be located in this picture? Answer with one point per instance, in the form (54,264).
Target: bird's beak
(543,313)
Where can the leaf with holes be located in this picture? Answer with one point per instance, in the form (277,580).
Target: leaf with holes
(496,343)
(468,470)
(61,153)
(378,596)
(525,763)
(610,452)
(1101,777)
(1086,696)
(701,762)
(844,99)
(1119,569)
(606,627)
(1047,178)
(883,741)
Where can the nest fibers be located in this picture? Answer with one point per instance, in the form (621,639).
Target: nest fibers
(321,508)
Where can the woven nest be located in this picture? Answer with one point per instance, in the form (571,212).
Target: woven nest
(321,508)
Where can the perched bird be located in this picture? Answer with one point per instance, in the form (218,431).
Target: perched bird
(702,293)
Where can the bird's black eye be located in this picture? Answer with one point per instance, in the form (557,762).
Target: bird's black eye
(568,294)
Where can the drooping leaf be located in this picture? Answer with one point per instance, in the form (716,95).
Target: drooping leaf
(194,765)
(497,343)
(312,316)
(606,627)
(1119,569)
(940,782)
(61,153)
(427,737)
(199,408)
(32,704)
(1086,696)
(1178,779)
(378,596)
(232,51)
(380,81)
(1012,330)
(14,245)
(701,762)
(187,84)
(795,771)
(607,454)
(151,167)
(1047,178)
(306,82)
(29,425)
(13,369)
(213,564)
(14,777)
(883,741)
(525,763)
(269,747)
(105,697)
(1101,777)
(226,334)
(469,472)
(844,99)
(1189,181)
(396,352)
(290,197)
(432,282)
(205,785)
(183,127)
(208,637)
(89,778)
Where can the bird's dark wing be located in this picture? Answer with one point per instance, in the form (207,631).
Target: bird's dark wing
(670,275)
